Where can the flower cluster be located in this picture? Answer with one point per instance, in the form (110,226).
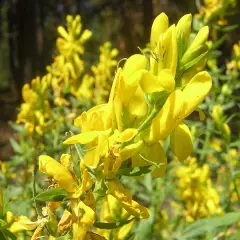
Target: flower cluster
(196,191)
(67,70)
(233,67)
(35,112)
(220,120)
(66,77)
(103,74)
(112,211)
(215,9)
(151,95)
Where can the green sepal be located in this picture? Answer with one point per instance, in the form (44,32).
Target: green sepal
(157,99)
(191,56)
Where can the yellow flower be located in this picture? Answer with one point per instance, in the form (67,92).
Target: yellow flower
(219,119)
(196,191)
(124,197)
(58,172)
(72,40)
(103,72)
(181,142)
(36,108)
(82,216)
(112,211)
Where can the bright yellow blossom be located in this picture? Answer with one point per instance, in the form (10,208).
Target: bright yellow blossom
(103,72)
(196,191)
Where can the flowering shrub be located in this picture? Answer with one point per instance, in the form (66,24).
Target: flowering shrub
(134,165)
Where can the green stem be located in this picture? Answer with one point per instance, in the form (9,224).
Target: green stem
(149,118)
(37,205)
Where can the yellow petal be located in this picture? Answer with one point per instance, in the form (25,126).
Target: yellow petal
(155,154)
(196,91)
(125,230)
(129,86)
(65,222)
(85,36)
(81,227)
(166,80)
(159,26)
(82,138)
(217,113)
(131,150)
(133,64)
(127,135)
(124,197)
(149,83)
(58,172)
(170,55)
(23,223)
(200,39)
(66,161)
(91,158)
(61,30)
(181,142)
(183,30)
(168,117)
(138,106)
(115,103)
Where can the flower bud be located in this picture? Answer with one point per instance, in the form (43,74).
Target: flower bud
(183,31)
(191,58)
(160,25)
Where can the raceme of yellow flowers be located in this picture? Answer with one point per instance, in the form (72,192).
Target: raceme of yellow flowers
(35,111)
(233,67)
(103,74)
(196,191)
(66,76)
(213,8)
(220,121)
(151,95)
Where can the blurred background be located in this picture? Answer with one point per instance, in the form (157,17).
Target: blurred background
(28,34)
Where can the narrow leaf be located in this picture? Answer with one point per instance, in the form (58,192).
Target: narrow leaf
(209,224)
(52,195)
(135,171)
(114,225)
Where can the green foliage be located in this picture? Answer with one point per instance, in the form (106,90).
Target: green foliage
(197,198)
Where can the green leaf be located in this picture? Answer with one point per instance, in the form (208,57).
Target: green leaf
(236,174)
(218,43)
(2,235)
(209,224)
(226,28)
(8,234)
(3,224)
(146,227)
(130,237)
(114,225)
(16,127)
(52,195)
(17,148)
(135,171)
